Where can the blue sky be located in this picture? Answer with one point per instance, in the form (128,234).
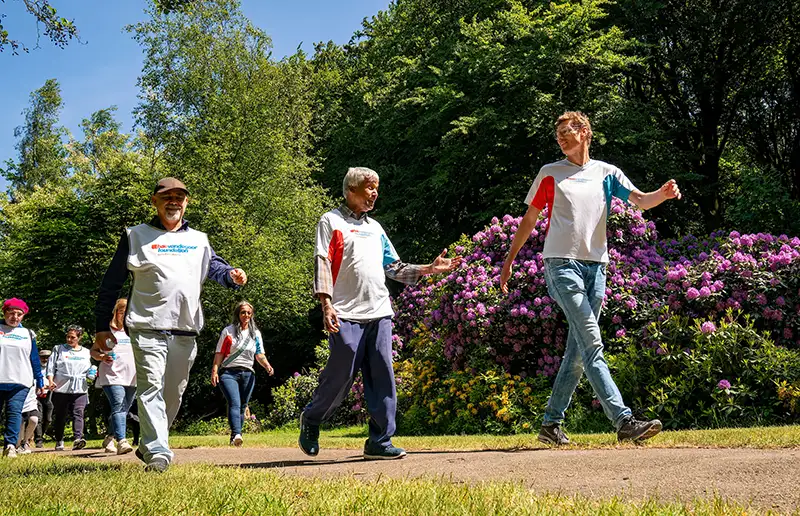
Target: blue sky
(102,70)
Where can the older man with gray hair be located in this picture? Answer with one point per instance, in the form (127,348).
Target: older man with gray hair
(354,256)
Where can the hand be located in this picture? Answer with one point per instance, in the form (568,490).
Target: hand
(238,276)
(270,370)
(100,340)
(51,386)
(41,392)
(670,190)
(329,316)
(214,378)
(442,264)
(108,359)
(505,275)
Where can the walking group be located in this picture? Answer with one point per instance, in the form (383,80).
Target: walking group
(146,343)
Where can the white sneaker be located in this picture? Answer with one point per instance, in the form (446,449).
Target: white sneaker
(10,451)
(60,446)
(237,440)
(24,449)
(108,445)
(124,447)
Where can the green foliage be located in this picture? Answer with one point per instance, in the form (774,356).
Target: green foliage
(454,105)
(681,378)
(57,29)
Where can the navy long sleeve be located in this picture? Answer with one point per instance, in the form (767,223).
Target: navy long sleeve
(219,271)
(36,365)
(112,284)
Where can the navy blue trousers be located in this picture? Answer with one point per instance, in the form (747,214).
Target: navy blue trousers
(368,347)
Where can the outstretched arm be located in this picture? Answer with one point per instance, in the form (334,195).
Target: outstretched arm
(220,271)
(520,237)
(645,201)
(411,273)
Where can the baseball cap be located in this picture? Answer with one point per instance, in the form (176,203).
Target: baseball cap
(170,183)
(45,353)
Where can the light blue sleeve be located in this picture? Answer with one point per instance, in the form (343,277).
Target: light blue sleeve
(259,345)
(617,185)
(389,254)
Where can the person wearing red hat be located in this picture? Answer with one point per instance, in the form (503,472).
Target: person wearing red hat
(20,369)
(168,262)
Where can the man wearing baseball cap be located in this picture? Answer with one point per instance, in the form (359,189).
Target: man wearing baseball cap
(168,262)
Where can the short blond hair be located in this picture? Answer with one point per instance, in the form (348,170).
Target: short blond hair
(579,119)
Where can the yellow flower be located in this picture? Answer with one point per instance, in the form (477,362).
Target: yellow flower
(474,411)
(526,425)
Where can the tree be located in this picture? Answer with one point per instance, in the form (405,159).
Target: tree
(702,60)
(41,153)
(57,29)
(234,125)
(453,103)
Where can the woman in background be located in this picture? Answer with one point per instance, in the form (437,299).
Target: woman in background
(238,345)
(67,372)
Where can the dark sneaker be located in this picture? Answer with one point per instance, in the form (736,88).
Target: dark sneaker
(78,444)
(158,464)
(635,430)
(553,435)
(374,452)
(309,438)
(139,455)
(40,444)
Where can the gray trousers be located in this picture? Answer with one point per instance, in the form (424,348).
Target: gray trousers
(368,347)
(163,363)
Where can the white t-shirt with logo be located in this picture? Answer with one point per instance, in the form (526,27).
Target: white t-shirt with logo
(68,367)
(122,371)
(358,250)
(579,201)
(15,355)
(249,346)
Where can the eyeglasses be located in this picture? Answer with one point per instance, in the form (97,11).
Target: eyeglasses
(567,129)
(244,312)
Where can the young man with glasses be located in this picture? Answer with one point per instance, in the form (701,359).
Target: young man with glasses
(577,192)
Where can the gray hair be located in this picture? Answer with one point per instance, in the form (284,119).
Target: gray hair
(355,177)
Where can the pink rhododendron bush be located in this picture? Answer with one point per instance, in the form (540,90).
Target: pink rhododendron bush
(478,360)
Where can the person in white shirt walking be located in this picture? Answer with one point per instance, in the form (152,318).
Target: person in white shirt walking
(117,377)
(239,343)
(577,192)
(67,375)
(19,370)
(168,262)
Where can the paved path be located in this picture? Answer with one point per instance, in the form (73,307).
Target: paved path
(767,479)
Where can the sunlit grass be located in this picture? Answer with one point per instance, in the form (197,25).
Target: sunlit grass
(43,484)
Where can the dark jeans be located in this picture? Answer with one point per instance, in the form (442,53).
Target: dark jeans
(12,397)
(46,411)
(237,386)
(74,404)
(366,346)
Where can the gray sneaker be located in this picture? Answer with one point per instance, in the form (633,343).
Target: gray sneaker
(553,435)
(158,464)
(372,452)
(78,444)
(635,430)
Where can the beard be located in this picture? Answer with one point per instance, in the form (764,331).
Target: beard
(172,215)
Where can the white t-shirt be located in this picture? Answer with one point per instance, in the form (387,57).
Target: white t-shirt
(250,347)
(579,200)
(15,355)
(122,371)
(30,401)
(358,250)
(68,367)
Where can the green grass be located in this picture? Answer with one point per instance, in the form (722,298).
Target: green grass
(353,438)
(38,484)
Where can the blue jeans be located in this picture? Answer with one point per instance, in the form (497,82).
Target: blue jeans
(366,346)
(237,386)
(13,397)
(578,287)
(120,397)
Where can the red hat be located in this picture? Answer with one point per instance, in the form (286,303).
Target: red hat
(14,302)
